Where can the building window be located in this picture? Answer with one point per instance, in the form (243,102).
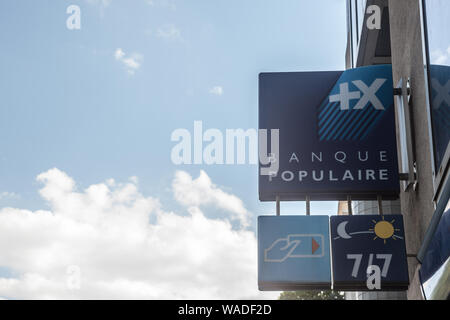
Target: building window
(437,25)
(355,22)
(361,11)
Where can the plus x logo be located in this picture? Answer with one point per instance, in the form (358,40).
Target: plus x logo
(368,95)
(354,107)
(442,96)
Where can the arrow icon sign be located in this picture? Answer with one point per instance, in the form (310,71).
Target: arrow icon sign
(315,246)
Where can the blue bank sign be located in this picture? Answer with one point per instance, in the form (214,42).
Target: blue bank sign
(361,242)
(364,252)
(293,252)
(336,135)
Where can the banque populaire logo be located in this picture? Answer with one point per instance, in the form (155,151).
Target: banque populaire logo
(355,106)
(336,134)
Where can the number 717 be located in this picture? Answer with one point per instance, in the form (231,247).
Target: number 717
(358,257)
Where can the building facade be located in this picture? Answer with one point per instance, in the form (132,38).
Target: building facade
(412,35)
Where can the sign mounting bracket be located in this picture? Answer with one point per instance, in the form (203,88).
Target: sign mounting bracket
(308,206)
(349,205)
(278,205)
(380,204)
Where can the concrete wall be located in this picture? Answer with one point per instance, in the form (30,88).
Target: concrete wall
(407,61)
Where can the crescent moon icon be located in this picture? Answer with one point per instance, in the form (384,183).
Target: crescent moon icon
(341,230)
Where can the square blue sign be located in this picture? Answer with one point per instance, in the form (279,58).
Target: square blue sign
(293,253)
(368,240)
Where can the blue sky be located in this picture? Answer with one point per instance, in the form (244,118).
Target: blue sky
(101,102)
(68,103)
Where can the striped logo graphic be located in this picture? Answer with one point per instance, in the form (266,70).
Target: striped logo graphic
(353,108)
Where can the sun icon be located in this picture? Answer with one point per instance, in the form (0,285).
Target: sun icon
(384,230)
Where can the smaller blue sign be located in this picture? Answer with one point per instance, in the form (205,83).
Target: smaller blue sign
(361,242)
(293,253)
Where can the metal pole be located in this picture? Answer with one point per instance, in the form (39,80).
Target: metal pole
(349,205)
(308,207)
(380,204)
(278,205)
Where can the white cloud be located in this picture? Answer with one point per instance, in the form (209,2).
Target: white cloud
(162,3)
(125,245)
(217,90)
(102,3)
(168,32)
(131,62)
(8,195)
(119,54)
(201,191)
(440,57)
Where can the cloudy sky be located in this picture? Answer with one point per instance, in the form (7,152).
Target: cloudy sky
(91,205)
